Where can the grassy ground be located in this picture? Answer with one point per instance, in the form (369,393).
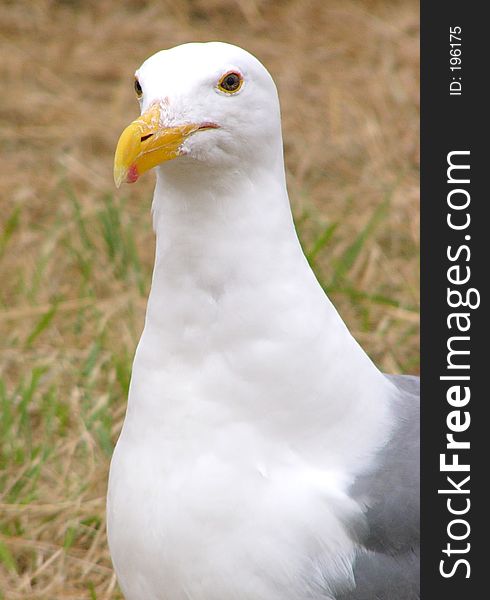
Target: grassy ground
(76,257)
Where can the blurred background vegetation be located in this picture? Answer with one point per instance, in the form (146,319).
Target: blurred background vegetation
(76,257)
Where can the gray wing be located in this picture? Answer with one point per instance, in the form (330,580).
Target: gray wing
(388,565)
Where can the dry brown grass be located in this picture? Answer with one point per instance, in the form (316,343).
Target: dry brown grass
(75,259)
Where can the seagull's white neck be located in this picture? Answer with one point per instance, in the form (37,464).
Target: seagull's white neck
(236,312)
(223,230)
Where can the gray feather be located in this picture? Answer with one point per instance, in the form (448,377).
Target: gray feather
(388,565)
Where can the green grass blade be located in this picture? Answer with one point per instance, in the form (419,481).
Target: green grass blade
(321,242)
(11,224)
(7,559)
(344,264)
(41,325)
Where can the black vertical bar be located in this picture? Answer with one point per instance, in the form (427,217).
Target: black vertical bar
(454,120)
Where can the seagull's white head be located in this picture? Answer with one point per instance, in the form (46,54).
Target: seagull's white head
(209,103)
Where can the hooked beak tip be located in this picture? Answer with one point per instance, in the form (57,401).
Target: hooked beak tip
(119,177)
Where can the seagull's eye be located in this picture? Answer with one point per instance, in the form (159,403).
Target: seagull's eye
(230,82)
(137,88)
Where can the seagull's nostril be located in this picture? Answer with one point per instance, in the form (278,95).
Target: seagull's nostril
(145,137)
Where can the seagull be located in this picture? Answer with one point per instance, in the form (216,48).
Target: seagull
(263,456)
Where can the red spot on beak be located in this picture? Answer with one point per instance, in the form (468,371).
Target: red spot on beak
(133,174)
(208,125)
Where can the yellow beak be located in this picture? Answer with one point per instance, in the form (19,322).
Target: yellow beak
(144,144)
